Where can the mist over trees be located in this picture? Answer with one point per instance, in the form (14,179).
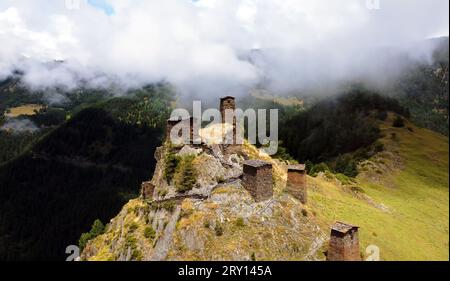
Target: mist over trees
(336,126)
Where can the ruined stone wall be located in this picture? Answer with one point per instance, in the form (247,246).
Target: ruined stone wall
(344,246)
(296,184)
(258,181)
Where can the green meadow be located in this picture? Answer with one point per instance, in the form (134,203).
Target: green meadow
(404,208)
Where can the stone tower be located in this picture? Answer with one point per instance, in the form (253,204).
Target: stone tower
(257,179)
(187,124)
(147,189)
(296,182)
(344,243)
(229,104)
(170,124)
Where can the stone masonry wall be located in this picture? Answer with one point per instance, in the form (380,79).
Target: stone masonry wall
(147,189)
(296,184)
(227,104)
(344,246)
(187,125)
(257,180)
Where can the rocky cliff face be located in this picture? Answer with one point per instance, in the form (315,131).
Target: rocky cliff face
(216,219)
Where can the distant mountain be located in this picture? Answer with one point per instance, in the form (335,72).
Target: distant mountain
(423,88)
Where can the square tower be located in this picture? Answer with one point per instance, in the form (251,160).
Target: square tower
(344,243)
(228,104)
(147,189)
(187,124)
(257,179)
(296,182)
(172,122)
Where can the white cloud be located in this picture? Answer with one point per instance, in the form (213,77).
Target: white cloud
(18,126)
(196,44)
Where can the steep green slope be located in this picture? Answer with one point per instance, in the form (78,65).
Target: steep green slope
(423,88)
(336,125)
(400,199)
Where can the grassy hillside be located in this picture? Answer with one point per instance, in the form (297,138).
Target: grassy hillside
(401,198)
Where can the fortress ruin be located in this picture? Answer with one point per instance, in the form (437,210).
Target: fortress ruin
(227,107)
(187,124)
(257,179)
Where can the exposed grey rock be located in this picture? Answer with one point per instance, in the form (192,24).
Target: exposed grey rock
(165,241)
(159,153)
(192,241)
(189,150)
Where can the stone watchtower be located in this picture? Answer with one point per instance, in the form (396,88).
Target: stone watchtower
(296,182)
(229,104)
(170,124)
(344,243)
(187,124)
(147,189)
(257,179)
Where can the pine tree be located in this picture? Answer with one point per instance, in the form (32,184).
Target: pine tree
(187,175)
(97,228)
(171,162)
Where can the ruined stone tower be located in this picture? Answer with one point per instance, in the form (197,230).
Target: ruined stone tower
(147,189)
(187,125)
(344,243)
(257,179)
(296,182)
(170,124)
(229,104)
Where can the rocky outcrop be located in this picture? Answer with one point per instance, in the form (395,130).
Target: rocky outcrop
(217,219)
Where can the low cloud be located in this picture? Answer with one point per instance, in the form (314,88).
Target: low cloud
(18,126)
(204,46)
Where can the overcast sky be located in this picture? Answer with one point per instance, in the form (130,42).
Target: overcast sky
(196,44)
